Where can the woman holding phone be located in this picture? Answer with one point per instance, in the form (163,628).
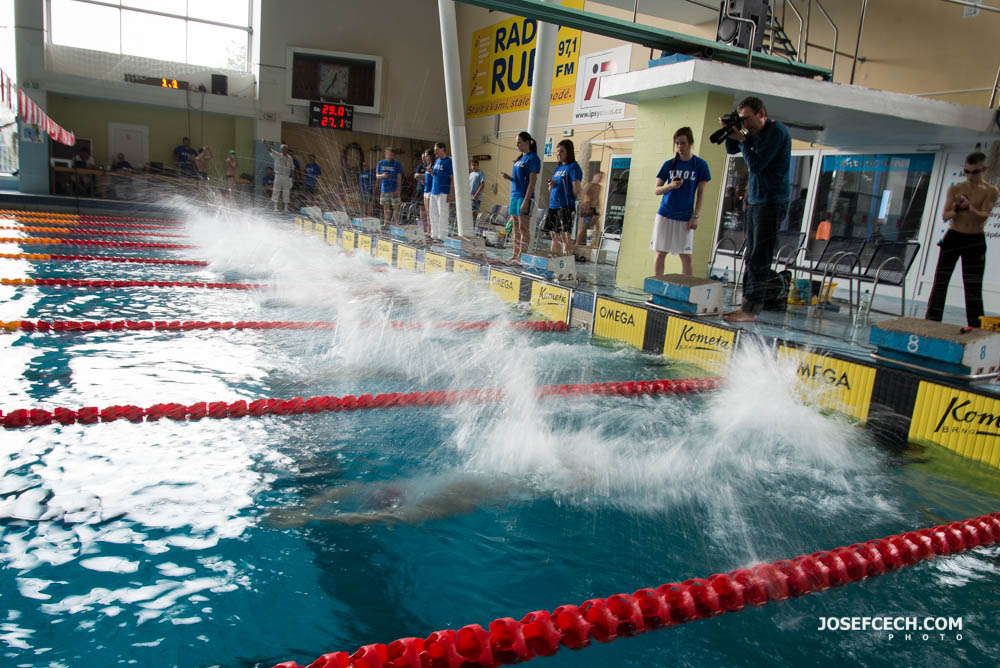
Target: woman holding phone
(681,181)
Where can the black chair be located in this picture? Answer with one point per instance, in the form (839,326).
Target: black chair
(788,247)
(841,259)
(888,265)
(736,252)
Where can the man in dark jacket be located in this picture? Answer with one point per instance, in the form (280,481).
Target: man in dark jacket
(767,149)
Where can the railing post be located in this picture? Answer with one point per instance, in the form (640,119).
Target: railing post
(857,45)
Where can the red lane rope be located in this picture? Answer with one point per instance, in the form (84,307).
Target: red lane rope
(59,222)
(91,231)
(45,257)
(93,283)
(90,242)
(76,217)
(541,633)
(187,325)
(24,417)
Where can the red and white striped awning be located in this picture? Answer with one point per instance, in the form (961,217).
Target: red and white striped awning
(29,112)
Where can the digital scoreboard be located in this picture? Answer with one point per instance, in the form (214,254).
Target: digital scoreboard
(333,116)
(162,82)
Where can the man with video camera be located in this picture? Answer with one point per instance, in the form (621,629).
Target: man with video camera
(767,149)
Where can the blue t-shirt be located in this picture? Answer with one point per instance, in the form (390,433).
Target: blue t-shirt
(184,154)
(442,176)
(520,175)
(268,179)
(428,178)
(679,204)
(365,181)
(475,179)
(312,171)
(392,169)
(562,185)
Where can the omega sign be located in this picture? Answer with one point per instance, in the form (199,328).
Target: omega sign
(621,317)
(825,374)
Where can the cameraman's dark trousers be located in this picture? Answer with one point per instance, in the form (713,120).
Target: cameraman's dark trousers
(759,283)
(972,249)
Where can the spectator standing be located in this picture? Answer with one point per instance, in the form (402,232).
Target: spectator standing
(231,166)
(564,188)
(201,162)
(389,171)
(590,211)
(523,178)
(442,191)
(282,175)
(425,177)
(767,150)
(313,172)
(269,180)
(184,156)
(477,183)
(967,207)
(681,181)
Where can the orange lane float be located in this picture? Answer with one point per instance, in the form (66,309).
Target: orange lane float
(59,326)
(45,257)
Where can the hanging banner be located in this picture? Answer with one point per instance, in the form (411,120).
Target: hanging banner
(502,65)
(588,106)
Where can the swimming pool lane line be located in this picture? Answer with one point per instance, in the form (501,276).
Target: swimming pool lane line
(98,232)
(48,257)
(102,283)
(220,410)
(77,216)
(542,633)
(60,222)
(59,326)
(90,242)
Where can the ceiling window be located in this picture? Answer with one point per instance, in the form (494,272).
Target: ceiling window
(207,33)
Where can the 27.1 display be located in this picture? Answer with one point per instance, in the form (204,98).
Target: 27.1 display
(333,116)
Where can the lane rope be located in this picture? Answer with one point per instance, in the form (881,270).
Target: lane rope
(60,222)
(220,410)
(92,231)
(20,212)
(95,283)
(541,633)
(45,257)
(188,325)
(90,242)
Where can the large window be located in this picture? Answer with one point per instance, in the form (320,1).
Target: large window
(734,204)
(874,196)
(207,33)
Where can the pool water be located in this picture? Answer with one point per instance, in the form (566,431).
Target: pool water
(249,542)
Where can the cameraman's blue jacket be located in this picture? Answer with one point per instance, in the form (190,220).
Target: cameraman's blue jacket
(767,155)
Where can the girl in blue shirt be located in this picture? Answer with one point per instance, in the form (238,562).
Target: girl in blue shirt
(681,181)
(522,190)
(564,188)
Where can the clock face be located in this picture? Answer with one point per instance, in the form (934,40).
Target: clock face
(333,81)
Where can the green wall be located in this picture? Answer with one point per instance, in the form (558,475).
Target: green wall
(656,122)
(89,119)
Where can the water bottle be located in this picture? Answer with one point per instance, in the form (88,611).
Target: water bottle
(864,306)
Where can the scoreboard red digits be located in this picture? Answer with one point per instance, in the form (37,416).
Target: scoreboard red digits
(333,116)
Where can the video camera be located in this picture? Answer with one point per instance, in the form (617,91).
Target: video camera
(730,122)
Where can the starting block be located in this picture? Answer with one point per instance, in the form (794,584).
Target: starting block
(338,218)
(465,246)
(685,294)
(312,211)
(410,234)
(933,347)
(593,254)
(367,224)
(553,266)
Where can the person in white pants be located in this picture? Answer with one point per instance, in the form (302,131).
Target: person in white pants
(282,174)
(442,191)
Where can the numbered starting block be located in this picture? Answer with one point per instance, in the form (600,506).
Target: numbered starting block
(372,225)
(552,266)
(409,234)
(966,353)
(338,218)
(684,294)
(465,246)
(312,211)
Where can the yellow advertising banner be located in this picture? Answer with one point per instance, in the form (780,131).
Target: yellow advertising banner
(319,229)
(463,267)
(406,258)
(966,423)
(299,222)
(331,235)
(307,225)
(614,320)
(365,243)
(833,383)
(706,346)
(434,263)
(508,286)
(347,240)
(384,250)
(502,65)
(552,301)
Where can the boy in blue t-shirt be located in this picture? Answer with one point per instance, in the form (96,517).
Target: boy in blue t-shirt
(313,172)
(442,192)
(681,181)
(388,172)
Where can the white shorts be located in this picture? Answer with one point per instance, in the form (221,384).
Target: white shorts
(671,236)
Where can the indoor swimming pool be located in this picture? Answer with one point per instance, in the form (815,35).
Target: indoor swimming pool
(247,542)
